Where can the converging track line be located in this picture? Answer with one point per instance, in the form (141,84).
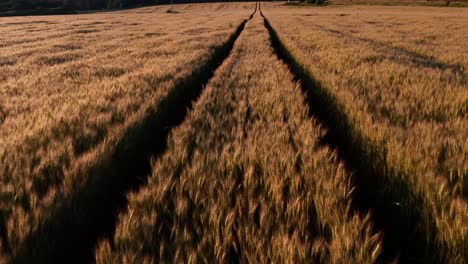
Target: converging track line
(91,214)
(377,186)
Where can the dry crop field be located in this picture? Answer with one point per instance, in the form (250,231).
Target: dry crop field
(452,3)
(235,132)
(74,92)
(393,83)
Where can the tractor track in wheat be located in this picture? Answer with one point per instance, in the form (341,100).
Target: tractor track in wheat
(91,214)
(369,171)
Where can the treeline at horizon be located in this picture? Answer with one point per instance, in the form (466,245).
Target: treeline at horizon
(88,4)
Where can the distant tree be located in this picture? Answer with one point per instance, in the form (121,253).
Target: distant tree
(318,2)
(113,4)
(23,4)
(85,4)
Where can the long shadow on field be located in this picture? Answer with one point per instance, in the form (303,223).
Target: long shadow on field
(396,209)
(71,233)
(3,235)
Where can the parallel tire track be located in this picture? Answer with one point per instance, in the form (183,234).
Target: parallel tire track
(379,189)
(91,214)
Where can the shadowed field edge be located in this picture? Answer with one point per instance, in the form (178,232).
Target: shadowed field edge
(91,213)
(397,210)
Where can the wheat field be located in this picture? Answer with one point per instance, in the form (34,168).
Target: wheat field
(406,103)
(243,178)
(235,132)
(67,102)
